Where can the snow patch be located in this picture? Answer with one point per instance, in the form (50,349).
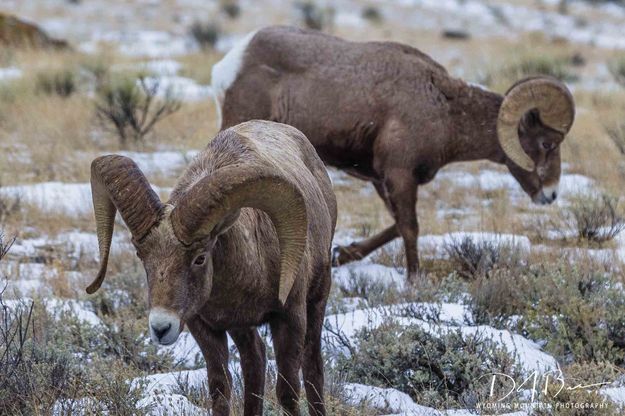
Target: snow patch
(10,73)
(55,197)
(182,88)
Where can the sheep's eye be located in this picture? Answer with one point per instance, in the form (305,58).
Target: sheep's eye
(547,146)
(199,260)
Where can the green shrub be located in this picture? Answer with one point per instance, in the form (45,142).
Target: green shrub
(372,14)
(617,68)
(473,259)
(596,219)
(231,8)
(130,107)
(206,34)
(578,313)
(528,65)
(498,296)
(62,83)
(437,370)
(616,133)
(314,16)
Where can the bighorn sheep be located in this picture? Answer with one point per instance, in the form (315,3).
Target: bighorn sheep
(389,114)
(244,240)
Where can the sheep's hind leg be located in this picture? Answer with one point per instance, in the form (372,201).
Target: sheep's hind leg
(253,364)
(288,342)
(358,250)
(214,346)
(312,366)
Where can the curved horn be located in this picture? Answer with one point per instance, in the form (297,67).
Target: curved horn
(555,106)
(235,187)
(117,183)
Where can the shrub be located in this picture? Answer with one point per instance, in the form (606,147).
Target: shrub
(437,370)
(34,375)
(473,259)
(131,107)
(596,219)
(231,8)
(9,205)
(577,312)
(617,69)
(531,65)
(616,133)
(5,246)
(206,34)
(498,296)
(313,16)
(372,14)
(62,83)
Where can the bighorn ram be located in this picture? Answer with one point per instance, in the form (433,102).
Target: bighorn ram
(244,240)
(387,113)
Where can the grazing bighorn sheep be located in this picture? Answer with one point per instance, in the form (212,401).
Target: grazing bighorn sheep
(387,113)
(244,240)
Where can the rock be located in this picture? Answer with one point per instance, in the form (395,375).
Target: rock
(15,32)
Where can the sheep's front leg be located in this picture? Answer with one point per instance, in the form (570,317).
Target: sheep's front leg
(253,364)
(288,334)
(401,193)
(214,346)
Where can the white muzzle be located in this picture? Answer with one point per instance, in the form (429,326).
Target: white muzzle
(164,326)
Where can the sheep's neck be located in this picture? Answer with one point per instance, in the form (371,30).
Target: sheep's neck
(474,115)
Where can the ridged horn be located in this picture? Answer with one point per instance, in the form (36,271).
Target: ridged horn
(117,184)
(232,188)
(556,109)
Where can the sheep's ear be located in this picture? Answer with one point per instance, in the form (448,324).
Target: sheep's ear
(225,224)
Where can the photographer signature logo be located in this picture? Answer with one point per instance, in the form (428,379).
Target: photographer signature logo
(549,384)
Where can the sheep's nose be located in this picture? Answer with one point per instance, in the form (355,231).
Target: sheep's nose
(160,330)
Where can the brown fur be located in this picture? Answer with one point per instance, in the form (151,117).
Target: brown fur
(236,289)
(383,112)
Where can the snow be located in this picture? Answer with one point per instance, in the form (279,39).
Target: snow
(59,308)
(72,199)
(162,392)
(163,67)
(162,162)
(185,351)
(147,43)
(10,73)
(387,399)
(451,316)
(182,88)
(492,180)
(73,308)
(615,394)
(74,244)
(347,277)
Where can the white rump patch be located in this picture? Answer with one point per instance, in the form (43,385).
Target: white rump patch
(225,71)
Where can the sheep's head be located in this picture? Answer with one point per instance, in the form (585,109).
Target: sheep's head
(175,243)
(534,118)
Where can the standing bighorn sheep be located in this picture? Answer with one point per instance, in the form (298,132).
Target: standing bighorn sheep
(387,113)
(244,240)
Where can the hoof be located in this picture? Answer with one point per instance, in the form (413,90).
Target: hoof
(343,255)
